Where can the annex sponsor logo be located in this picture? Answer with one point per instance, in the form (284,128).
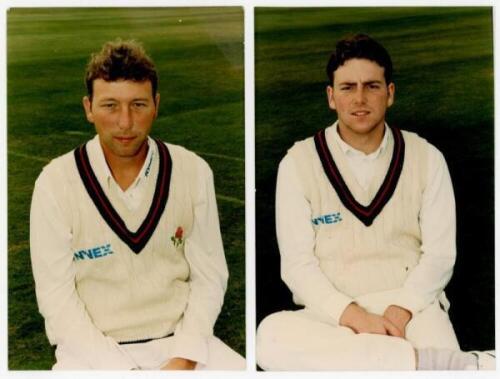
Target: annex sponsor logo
(93,253)
(331,218)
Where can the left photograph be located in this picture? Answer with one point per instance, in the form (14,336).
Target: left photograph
(126,183)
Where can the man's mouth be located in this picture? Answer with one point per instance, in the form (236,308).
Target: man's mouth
(124,139)
(360,113)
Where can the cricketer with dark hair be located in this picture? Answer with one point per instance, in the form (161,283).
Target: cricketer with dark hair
(365,220)
(126,249)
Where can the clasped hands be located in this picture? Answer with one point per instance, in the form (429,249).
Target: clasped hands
(392,323)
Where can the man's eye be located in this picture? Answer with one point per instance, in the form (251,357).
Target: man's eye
(346,88)
(374,86)
(139,105)
(108,105)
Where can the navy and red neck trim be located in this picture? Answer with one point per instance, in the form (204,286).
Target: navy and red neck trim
(135,240)
(366,214)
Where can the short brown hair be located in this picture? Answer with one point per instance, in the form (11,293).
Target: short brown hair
(121,60)
(359,46)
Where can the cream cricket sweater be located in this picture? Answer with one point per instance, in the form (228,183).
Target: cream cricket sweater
(130,274)
(365,248)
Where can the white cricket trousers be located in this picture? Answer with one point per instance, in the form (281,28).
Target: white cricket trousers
(153,355)
(304,340)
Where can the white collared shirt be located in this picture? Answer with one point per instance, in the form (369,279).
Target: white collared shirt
(133,195)
(362,165)
(296,238)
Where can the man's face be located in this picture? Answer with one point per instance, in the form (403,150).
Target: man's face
(123,112)
(360,96)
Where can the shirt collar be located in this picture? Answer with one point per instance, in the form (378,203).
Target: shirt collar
(351,151)
(102,170)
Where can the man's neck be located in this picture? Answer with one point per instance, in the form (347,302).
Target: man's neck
(126,169)
(365,142)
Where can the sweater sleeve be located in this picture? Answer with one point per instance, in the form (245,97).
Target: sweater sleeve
(438,227)
(208,274)
(296,238)
(66,319)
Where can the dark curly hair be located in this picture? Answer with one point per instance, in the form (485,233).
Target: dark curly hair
(121,60)
(359,46)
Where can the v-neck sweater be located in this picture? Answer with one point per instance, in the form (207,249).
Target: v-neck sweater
(134,293)
(359,257)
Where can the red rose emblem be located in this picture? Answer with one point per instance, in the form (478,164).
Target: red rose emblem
(177,238)
(179,232)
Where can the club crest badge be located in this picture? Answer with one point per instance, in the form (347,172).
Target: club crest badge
(178,238)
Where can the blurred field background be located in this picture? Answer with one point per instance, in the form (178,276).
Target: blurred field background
(443,60)
(199,55)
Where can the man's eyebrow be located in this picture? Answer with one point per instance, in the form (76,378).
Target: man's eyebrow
(368,82)
(104,99)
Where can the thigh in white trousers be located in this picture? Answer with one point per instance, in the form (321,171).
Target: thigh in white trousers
(154,355)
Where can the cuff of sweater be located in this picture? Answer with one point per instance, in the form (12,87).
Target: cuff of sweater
(409,300)
(335,305)
(190,346)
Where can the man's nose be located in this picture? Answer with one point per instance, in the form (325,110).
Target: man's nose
(359,95)
(125,120)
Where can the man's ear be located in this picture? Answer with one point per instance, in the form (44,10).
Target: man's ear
(391,89)
(87,106)
(329,94)
(157,103)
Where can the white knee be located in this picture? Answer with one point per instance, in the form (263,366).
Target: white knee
(432,328)
(222,357)
(269,338)
(66,361)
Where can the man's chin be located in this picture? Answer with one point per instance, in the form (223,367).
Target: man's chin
(126,153)
(129,151)
(364,128)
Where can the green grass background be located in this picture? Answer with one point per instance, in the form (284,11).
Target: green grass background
(199,55)
(443,60)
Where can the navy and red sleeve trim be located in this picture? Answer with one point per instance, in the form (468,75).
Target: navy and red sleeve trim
(138,239)
(366,214)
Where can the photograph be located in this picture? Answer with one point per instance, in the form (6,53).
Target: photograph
(374,172)
(126,188)
(248,189)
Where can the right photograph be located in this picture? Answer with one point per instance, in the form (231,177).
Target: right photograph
(374,148)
